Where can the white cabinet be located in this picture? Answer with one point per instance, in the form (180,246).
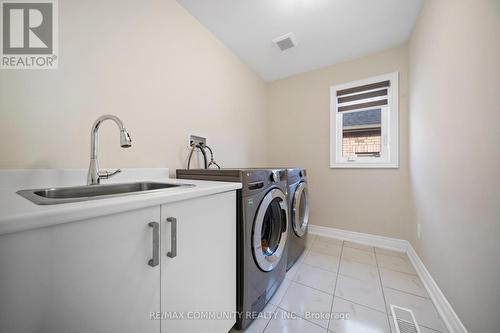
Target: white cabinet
(96,276)
(86,276)
(200,278)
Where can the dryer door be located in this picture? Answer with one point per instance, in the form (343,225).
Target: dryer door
(300,209)
(270,230)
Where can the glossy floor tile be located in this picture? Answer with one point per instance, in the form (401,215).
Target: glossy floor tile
(361,292)
(359,246)
(316,278)
(322,239)
(260,323)
(348,317)
(343,287)
(278,295)
(359,271)
(293,270)
(386,252)
(310,240)
(403,282)
(361,256)
(289,323)
(423,308)
(321,260)
(303,300)
(332,249)
(395,263)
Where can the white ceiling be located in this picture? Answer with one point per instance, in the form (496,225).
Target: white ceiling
(327,31)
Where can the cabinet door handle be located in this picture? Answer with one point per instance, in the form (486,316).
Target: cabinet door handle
(173,237)
(156,244)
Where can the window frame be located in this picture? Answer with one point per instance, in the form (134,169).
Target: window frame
(389,156)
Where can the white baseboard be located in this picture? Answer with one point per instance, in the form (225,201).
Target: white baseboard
(442,305)
(450,318)
(359,237)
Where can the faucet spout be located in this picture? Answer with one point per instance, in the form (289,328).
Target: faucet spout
(94,175)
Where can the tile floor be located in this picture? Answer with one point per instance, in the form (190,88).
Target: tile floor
(336,279)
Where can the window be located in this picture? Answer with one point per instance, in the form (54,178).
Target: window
(364,123)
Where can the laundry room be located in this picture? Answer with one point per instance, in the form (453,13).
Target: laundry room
(260,166)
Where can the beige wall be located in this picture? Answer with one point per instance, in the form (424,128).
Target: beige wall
(455,153)
(365,200)
(150,63)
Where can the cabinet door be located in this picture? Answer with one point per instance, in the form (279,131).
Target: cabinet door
(200,279)
(86,276)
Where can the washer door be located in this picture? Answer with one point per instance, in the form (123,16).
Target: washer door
(270,230)
(300,210)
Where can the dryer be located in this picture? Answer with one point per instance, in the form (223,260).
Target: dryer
(298,200)
(262,233)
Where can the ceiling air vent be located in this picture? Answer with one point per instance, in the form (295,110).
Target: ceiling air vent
(285,42)
(404,320)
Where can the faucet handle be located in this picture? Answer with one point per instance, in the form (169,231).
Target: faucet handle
(108,173)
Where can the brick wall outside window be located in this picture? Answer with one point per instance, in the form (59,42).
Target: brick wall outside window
(360,144)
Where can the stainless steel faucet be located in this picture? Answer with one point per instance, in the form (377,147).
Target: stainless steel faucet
(94,176)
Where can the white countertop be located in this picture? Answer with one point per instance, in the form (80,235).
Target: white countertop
(18,213)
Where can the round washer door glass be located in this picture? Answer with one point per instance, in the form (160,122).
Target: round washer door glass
(270,230)
(300,210)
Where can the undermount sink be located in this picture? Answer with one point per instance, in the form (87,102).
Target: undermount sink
(52,196)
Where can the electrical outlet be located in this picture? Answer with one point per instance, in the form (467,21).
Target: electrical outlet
(194,140)
(419,231)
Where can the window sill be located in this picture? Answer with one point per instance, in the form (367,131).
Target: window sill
(355,165)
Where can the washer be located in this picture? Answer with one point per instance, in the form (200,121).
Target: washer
(298,199)
(262,232)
